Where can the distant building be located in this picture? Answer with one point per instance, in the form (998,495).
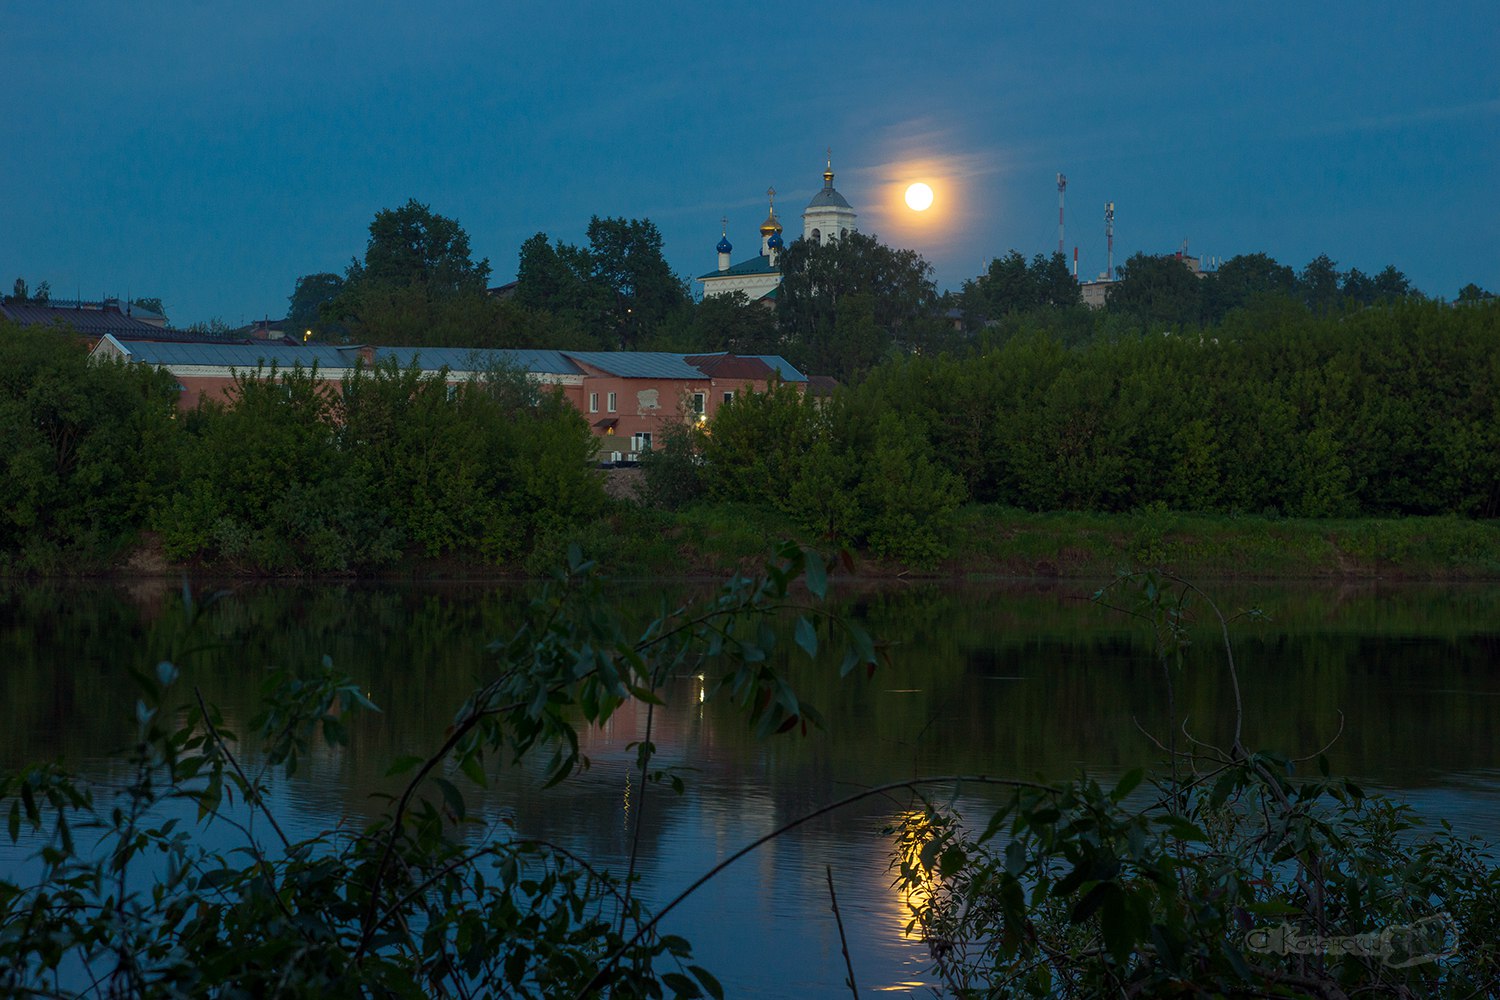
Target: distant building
(828,217)
(92,319)
(628,397)
(1096,293)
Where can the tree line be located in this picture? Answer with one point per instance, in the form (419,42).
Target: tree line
(843,308)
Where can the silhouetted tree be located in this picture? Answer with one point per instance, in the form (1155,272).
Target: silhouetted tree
(1157,289)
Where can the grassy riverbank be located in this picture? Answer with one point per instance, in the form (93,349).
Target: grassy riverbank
(630,541)
(992,541)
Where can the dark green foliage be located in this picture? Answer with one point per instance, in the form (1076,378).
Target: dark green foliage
(86,450)
(1157,292)
(673,471)
(298,476)
(1319,283)
(719,323)
(846,475)
(1392,409)
(307,301)
(1009,285)
(618,290)
(842,304)
(412,245)
(265,487)
(415,285)
(1241,281)
(20,292)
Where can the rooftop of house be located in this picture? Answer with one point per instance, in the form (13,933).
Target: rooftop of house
(235,355)
(90,319)
(755,265)
(471,359)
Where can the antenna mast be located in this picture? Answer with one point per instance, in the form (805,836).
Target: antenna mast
(1062,185)
(1109,235)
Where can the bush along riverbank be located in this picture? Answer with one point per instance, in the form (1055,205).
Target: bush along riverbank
(709,540)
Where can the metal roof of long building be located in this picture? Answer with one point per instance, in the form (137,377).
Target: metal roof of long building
(623,364)
(243,356)
(468,359)
(638,364)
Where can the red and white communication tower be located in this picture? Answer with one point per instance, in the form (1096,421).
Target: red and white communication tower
(1062,185)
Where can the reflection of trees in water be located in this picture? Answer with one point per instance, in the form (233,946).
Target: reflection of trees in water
(983,678)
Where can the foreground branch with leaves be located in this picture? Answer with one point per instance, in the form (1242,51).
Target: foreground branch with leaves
(1233,874)
(128,903)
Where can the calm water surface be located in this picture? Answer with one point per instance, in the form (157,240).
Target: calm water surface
(1014,680)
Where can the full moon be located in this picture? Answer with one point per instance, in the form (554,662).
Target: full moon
(919,197)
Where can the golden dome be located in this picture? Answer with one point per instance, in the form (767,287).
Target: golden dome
(772,224)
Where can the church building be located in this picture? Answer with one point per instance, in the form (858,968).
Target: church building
(827,218)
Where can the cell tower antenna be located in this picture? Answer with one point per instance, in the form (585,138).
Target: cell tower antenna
(1109,236)
(1062,185)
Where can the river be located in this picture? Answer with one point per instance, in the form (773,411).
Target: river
(1014,679)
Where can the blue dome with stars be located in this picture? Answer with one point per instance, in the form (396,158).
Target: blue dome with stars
(774,242)
(724,245)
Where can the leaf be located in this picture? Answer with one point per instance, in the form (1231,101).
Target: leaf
(817,576)
(403,764)
(709,982)
(1117,926)
(1182,829)
(681,985)
(1091,901)
(807,637)
(166,673)
(452,797)
(1127,784)
(473,767)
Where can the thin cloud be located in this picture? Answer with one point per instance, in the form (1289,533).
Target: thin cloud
(1403,119)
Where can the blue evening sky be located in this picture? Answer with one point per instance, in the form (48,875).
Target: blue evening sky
(209,153)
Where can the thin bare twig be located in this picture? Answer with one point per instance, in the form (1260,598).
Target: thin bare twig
(843,941)
(593,984)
